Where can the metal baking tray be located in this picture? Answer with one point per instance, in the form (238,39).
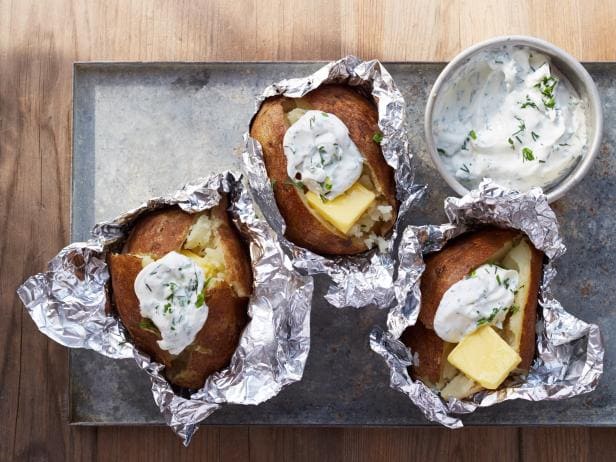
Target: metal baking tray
(143,129)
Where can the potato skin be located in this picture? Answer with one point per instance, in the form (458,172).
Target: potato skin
(527,342)
(429,348)
(159,232)
(215,343)
(227,301)
(455,260)
(303,226)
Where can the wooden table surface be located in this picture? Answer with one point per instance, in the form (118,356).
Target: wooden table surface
(39,40)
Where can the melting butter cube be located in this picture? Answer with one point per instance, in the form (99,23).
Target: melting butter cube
(484,357)
(343,211)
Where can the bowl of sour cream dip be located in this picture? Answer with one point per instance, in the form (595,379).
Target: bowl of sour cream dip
(515,109)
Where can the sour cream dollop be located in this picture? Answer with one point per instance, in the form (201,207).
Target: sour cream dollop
(170,293)
(321,154)
(509,115)
(483,297)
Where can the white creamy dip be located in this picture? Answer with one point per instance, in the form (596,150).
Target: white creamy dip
(321,155)
(483,297)
(170,293)
(510,116)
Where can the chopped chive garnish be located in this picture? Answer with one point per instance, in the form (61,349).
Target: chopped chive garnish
(528,154)
(528,103)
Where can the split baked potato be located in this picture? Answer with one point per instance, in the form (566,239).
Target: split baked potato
(211,239)
(304,226)
(507,248)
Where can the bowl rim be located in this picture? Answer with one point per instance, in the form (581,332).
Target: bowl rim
(586,81)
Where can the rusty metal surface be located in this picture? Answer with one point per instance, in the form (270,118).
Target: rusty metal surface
(142,129)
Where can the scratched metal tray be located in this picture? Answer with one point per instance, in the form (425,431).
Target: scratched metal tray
(143,129)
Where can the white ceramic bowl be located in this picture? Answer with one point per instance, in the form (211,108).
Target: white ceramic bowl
(568,66)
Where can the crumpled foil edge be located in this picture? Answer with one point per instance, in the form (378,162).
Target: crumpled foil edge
(569,356)
(68,303)
(361,280)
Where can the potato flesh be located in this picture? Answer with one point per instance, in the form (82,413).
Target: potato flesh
(203,240)
(460,387)
(518,258)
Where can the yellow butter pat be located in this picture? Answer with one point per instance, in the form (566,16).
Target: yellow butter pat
(343,211)
(484,357)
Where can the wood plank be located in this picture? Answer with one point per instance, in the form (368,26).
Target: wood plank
(158,443)
(391,444)
(38,43)
(426,444)
(562,444)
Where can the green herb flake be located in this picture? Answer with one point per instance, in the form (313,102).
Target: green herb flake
(498,280)
(472,134)
(465,169)
(547,87)
(200,300)
(472,274)
(327,184)
(528,103)
(510,141)
(297,184)
(534,135)
(147,325)
(521,127)
(324,114)
(442,152)
(513,309)
(377,137)
(527,153)
(489,319)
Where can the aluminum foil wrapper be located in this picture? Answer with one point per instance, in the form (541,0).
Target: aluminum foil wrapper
(68,304)
(569,355)
(365,279)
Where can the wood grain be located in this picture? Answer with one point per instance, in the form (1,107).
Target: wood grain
(39,42)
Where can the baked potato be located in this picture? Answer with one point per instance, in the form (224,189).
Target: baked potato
(506,248)
(210,239)
(304,225)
